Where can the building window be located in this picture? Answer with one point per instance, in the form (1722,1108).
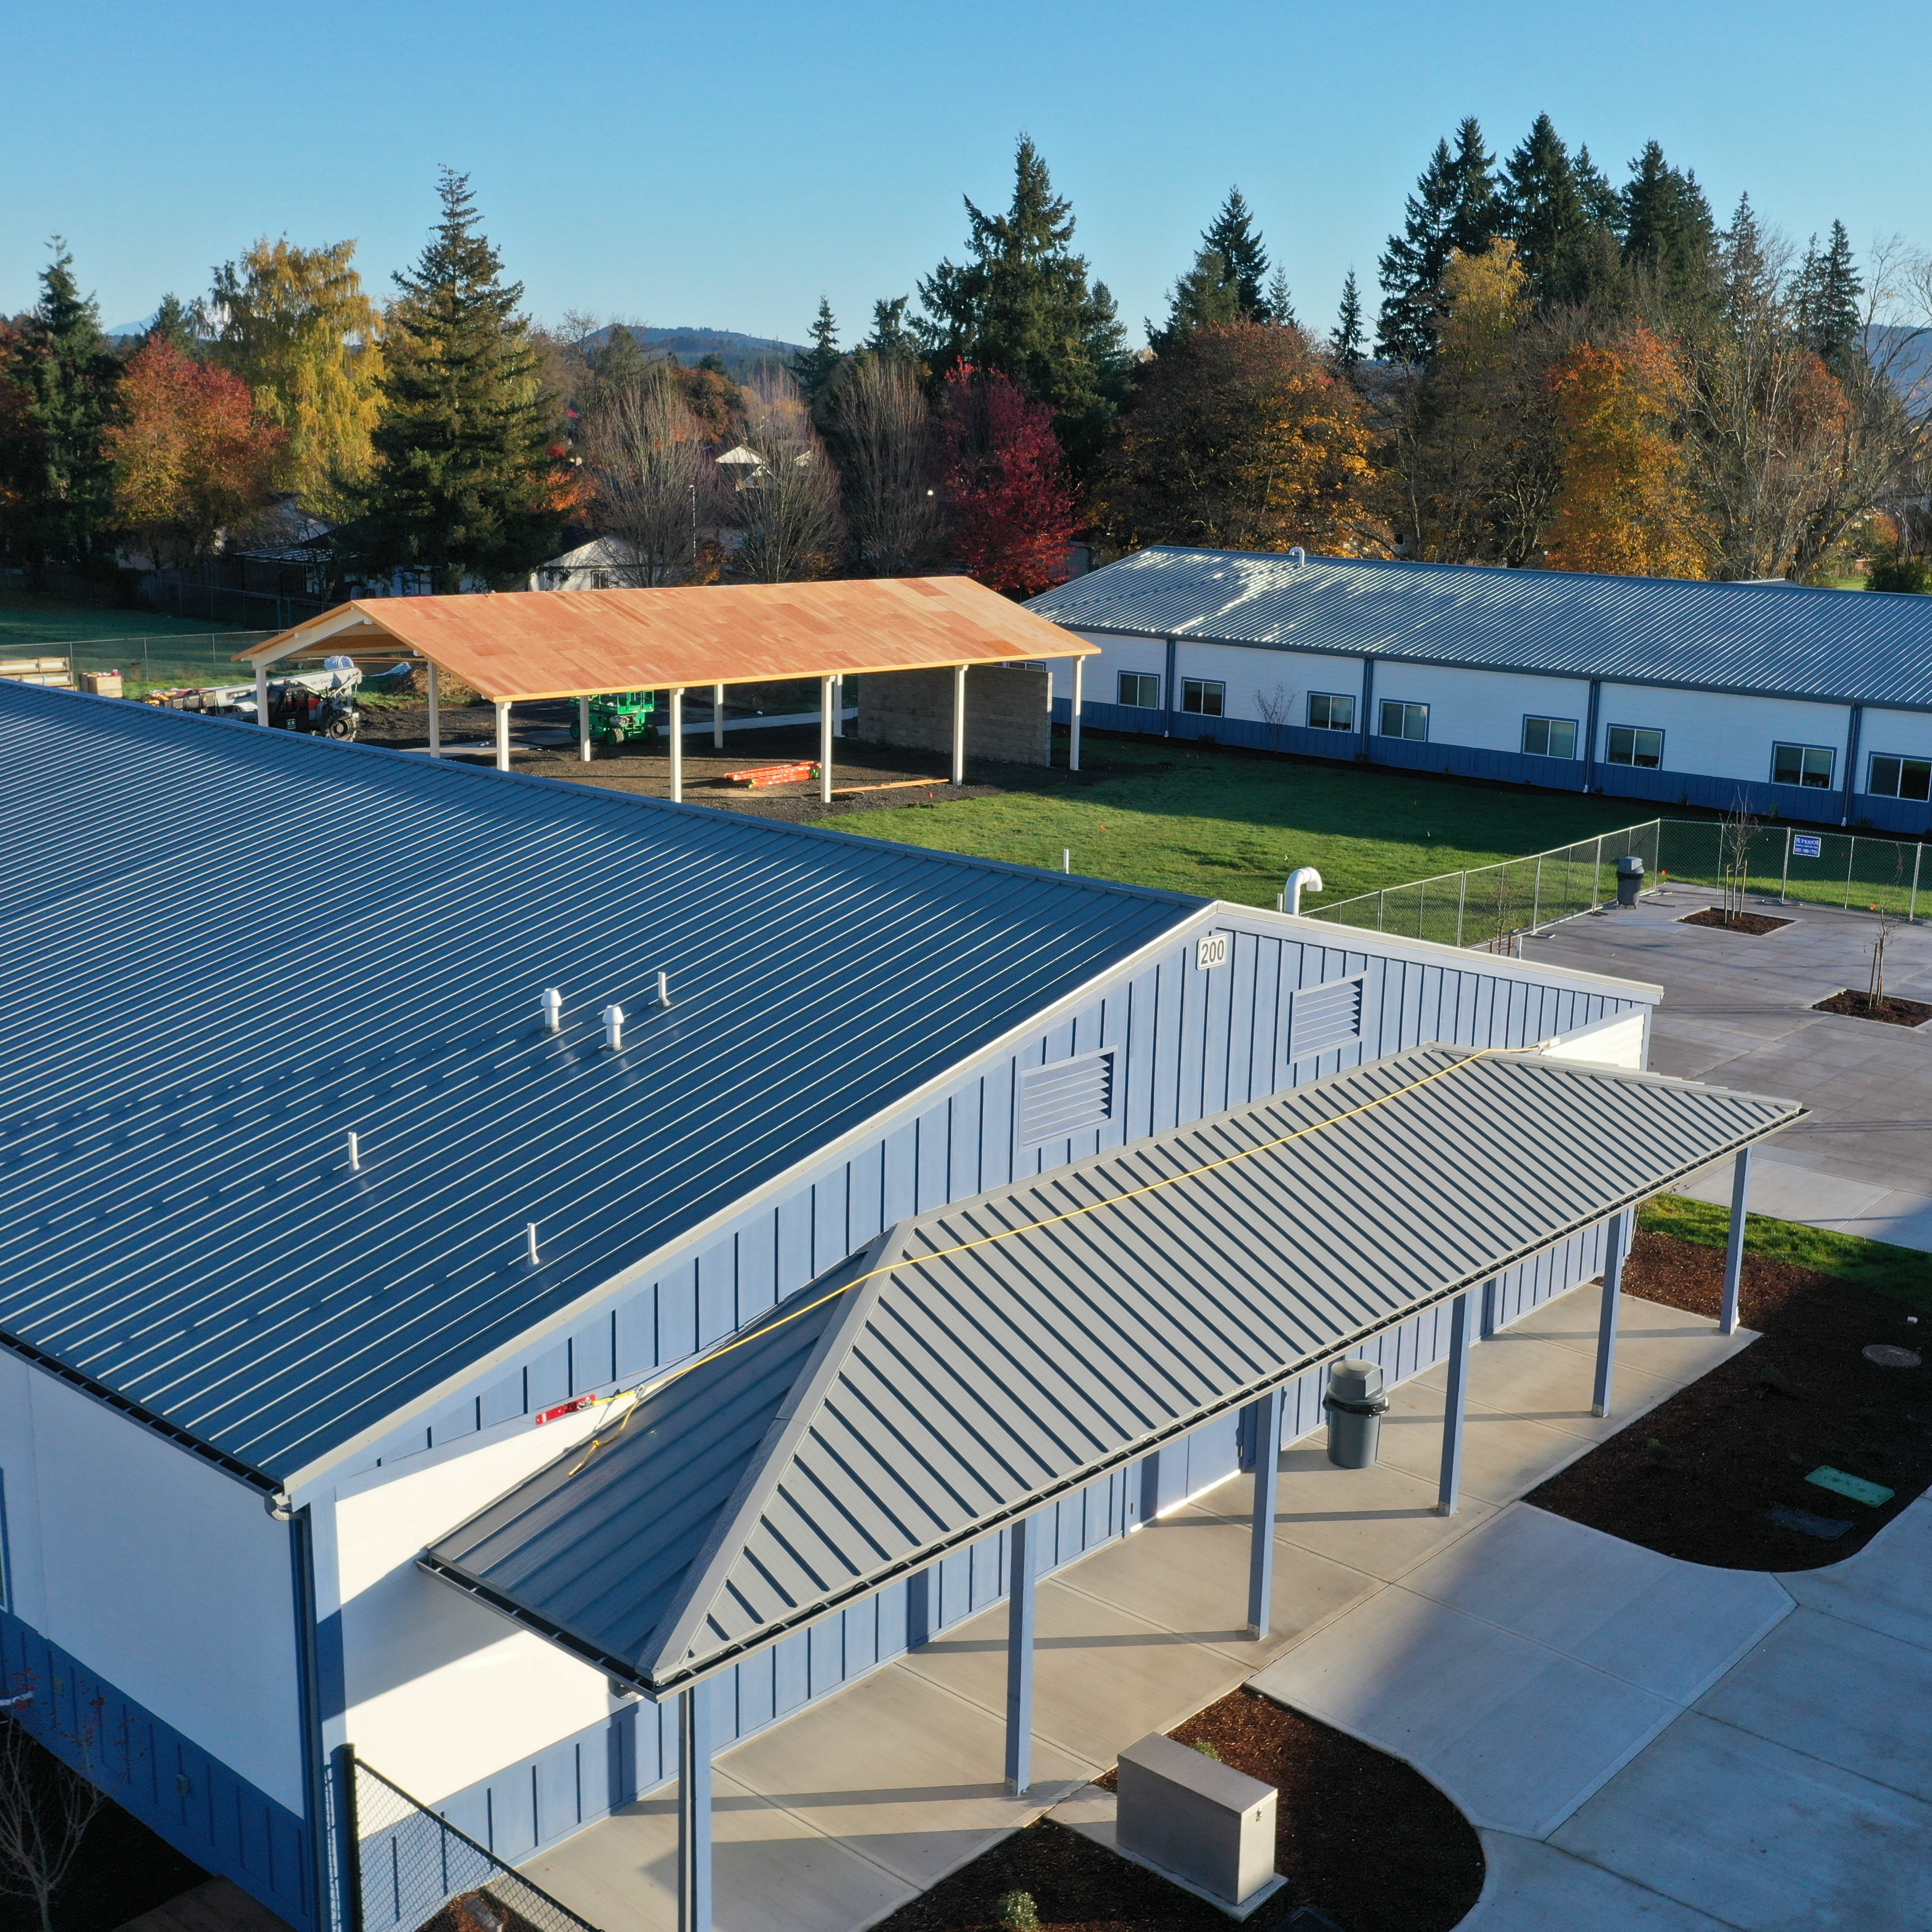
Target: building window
(1889,777)
(1550,737)
(1632,744)
(1140,690)
(1405,721)
(1330,711)
(1205,696)
(1809,765)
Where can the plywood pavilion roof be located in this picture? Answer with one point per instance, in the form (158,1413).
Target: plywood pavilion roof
(576,643)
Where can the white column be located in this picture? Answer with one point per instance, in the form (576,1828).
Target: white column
(1616,1242)
(959,724)
(694,1810)
(1456,1403)
(1266,1414)
(1021,1599)
(502,734)
(1073,735)
(838,693)
(828,696)
(584,729)
(261,693)
(1734,1249)
(717,718)
(435,713)
(677,745)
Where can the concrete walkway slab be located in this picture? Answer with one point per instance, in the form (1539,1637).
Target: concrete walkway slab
(1663,1344)
(1381,1521)
(1773,1841)
(1532,1887)
(1884,1587)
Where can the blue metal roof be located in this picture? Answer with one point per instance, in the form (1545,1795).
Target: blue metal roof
(231,946)
(1783,640)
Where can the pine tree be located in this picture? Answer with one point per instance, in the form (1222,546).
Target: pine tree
(812,368)
(1022,305)
(1548,218)
(1207,295)
(890,336)
(1455,209)
(1667,224)
(464,483)
(1478,213)
(177,325)
(1232,235)
(1280,307)
(1346,344)
(68,380)
(1826,296)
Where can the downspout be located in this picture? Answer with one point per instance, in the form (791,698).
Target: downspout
(1368,702)
(1590,742)
(1167,688)
(1854,732)
(322,1862)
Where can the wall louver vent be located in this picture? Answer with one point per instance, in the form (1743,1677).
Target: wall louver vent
(1323,1017)
(1070,1096)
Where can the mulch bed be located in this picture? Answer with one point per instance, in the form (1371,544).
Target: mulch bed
(1895,1012)
(1362,1836)
(1699,1477)
(1757,924)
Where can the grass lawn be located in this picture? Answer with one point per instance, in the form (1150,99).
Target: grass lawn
(1232,827)
(148,646)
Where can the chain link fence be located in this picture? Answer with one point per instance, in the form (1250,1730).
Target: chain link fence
(1785,863)
(415,1872)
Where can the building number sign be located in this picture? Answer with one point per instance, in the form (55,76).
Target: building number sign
(1213,949)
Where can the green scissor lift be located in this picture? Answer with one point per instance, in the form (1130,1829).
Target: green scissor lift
(620,716)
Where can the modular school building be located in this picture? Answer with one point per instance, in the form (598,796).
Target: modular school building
(345,1277)
(1814,705)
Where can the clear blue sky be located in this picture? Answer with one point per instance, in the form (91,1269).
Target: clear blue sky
(721,165)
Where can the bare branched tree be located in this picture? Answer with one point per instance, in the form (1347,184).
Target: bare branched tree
(1735,830)
(786,509)
(1277,709)
(656,487)
(45,1810)
(881,429)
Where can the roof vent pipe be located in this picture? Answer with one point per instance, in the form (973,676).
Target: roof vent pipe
(1302,876)
(552,1009)
(530,1244)
(1297,557)
(355,1153)
(663,989)
(612,1017)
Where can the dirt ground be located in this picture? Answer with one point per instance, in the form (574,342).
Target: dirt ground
(1360,1835)
(1718,1473)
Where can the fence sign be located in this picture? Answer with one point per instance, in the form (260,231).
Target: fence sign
(1807,845)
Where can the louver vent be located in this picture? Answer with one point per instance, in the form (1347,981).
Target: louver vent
(1323,1017)
(1069,1097)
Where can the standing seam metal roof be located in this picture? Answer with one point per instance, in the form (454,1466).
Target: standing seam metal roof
(1787,641)
(995,1354)
(230,946)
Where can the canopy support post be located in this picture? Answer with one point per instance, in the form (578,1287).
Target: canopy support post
(677,744)
(828,696)
(261,693)
(584,729)
(959,724)
(435,711)
(1734,1249)
(717,718)
(1021,1595)
(1614,1243)
(1456,1403)
(1073,729)
(502,734)
(694,1810)
(1267,1424)
(838,692)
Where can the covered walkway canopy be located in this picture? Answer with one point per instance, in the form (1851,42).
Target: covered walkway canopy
(522,645)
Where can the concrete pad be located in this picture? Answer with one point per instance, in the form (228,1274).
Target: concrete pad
(1520,1375)
(1732,1824)
(1838,1691)
(1380,1520)
(929,1792)
(1883,1587)
(1532,1887)
(1502,1456)
(1667,1344)
(1517,1734)
(1102,1677)
(771,1869)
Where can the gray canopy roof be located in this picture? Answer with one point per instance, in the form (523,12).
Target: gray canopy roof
(977,1361)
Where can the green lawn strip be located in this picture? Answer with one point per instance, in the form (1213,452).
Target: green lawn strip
(146,647)
(1905,1274)
(1231,827)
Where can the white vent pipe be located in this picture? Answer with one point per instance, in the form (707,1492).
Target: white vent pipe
(355,1153)
(1297,557)
(1303,877)
(663,989)
(552,1009)
(612,1019)
(530,1244)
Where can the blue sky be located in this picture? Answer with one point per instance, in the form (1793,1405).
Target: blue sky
(722,166)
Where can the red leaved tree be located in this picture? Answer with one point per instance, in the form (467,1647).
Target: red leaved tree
(1014,508)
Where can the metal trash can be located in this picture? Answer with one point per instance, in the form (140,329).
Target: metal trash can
(1356,1405)
(1630,880)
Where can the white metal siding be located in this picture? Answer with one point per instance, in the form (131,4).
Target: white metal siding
(1721,735)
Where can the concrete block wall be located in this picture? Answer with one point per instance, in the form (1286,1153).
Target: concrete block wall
(1009,715)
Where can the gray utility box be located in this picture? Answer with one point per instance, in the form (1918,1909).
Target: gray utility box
(1201,1823)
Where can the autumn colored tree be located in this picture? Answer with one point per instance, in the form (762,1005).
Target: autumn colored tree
(191,455)
(1627,506)
(1014,508)
(1243,438)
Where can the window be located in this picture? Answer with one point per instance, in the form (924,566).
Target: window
(1320,1019)
(1203,695)
(1330,711)
(1550,737)
(1070,1096)
(1899,777)
(1808,765)
(1141,690)
(1405,721)
(1633,744)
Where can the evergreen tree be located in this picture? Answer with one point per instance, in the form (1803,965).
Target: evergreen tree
(812,368)
(1826,298)
(1022,305)
(1346,344)
(890,336)
(1280,307)
(1455,208)
(1601,202)
(1667,224)
(1206,296)
(1548,218)
(176,324)
(67,380)
(1232,235)
(1478,215)
(464,483)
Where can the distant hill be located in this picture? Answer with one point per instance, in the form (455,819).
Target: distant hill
(740,353)
(1907,354)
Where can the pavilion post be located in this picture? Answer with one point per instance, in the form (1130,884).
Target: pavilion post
(677,744)
(717,718)
(1614,1243)
(1073,729)
(1734,1249)
(959,724)
(435,711)
(838,710)
(1456,1402)
(694,1810)
(261,693)
(828,696)
(1266,1414)
(502,734)
(1020,1605)
(584,729)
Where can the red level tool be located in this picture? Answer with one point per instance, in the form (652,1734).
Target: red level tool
(771,775)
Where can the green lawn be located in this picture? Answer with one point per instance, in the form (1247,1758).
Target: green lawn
(142,643)
(1228,826)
